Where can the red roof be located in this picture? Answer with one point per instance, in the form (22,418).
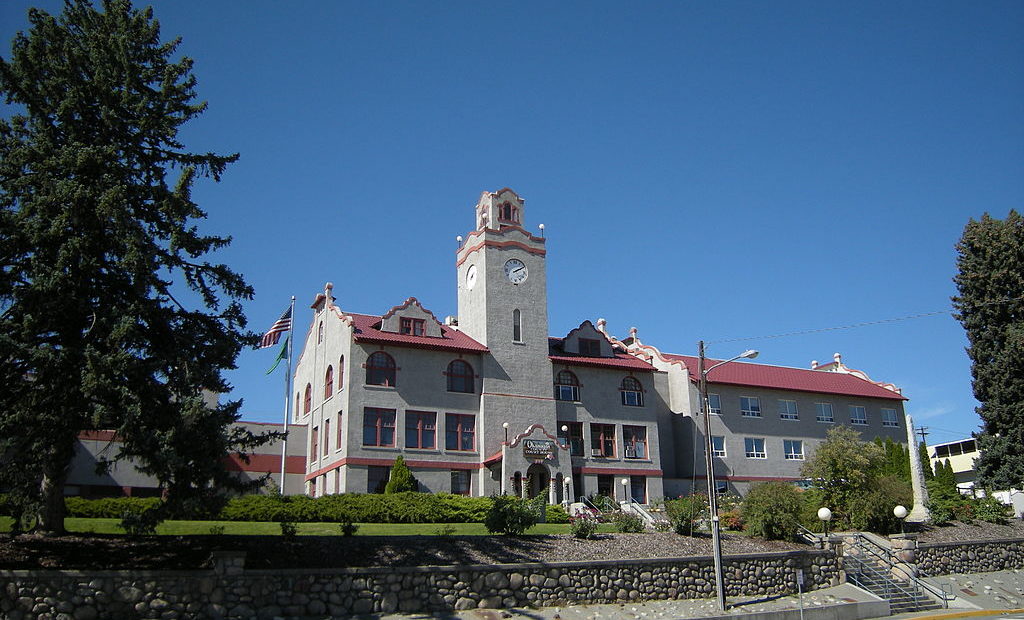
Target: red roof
(365,330)
(784,378)
(621,360)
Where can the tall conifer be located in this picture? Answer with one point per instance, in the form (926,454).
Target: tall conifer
(990,306)
(110,315)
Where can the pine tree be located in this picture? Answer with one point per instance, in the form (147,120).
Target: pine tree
(401,479)
(110,315)
(990,306)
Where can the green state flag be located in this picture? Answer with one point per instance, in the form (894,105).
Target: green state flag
(280,355)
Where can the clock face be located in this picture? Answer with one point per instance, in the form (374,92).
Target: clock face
(471,277)
(515,271)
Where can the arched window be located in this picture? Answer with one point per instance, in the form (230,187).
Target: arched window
(341,373)
(329,382)
(632,392)
(307,401)
(380,369)
(320,333)
(567,386)
(460,377)
(517,326)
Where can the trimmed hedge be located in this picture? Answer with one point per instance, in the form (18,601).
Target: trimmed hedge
(346,508)
(406,507)
(108,507)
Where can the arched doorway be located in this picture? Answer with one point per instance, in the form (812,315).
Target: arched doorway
(538,480)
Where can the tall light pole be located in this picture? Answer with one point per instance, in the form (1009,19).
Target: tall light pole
(716,539)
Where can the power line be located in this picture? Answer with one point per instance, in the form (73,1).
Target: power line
(864,324)
(829,329)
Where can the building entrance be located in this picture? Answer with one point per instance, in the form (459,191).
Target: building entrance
(538,480)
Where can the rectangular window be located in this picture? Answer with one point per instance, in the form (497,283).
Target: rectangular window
(377,478)
(340,427)
(420,430)
(572,437)
(635,440)
(602,440)
(793,449)
(858,415)
(750,406)
(721,487)
(754,447)
(825,412)
(787,410)
(941,452)
(315,445)
(714,404)
(460,432)
(889,418)
(460,482)
(590,347)
(413,327)
(379,427)
(718,446)
(327,437)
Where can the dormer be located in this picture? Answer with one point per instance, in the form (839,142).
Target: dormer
(587,341)
(497,209)
(411,319)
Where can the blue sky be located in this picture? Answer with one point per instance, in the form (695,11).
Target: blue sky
(704,170)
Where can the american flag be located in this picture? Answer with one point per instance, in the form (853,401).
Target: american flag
(280,326)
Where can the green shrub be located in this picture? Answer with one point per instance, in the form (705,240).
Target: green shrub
(216,530)
(510,515)
(583,527)
(289,530)
(662,525)
(109,507)
(628,523)
(556,514)
(772,510)
(401,479)
(686,513)
(990,509)
(347,528)
(871,509)
(405,507)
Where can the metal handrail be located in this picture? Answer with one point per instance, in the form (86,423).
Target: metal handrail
(885,555)
(879,576)
(809,536)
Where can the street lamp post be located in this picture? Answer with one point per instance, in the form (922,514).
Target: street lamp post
(716,539)
(900,512)
(825,515)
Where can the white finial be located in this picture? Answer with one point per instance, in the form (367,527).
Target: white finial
(814,364)
(838,358)
(458,239)
(541,227)
(329,286)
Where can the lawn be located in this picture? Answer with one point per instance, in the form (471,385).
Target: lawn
(180,528)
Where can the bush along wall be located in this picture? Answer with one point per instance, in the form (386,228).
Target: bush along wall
(354,508)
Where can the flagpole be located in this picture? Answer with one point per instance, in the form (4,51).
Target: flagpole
(287,396)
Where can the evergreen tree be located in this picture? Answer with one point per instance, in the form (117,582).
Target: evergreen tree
(401,479)
(990,306)
(110,315)
(926,462)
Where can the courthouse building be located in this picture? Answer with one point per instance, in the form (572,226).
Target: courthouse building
(489,401)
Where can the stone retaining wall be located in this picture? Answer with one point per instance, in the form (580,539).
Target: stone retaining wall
(230,591)
(970,557)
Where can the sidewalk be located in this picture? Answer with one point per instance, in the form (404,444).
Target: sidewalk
(978,595)
(842,602)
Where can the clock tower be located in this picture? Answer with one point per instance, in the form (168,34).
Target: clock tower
(502,285)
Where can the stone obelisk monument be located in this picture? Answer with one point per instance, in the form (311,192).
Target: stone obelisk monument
(919,513)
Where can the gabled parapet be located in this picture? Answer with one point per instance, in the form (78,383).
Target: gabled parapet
(836,365)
